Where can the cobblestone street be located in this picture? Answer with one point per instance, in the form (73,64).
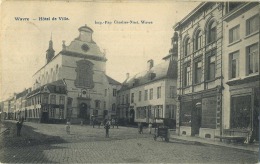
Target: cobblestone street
(49,143)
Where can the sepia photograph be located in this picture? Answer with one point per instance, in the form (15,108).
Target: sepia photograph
(127,81)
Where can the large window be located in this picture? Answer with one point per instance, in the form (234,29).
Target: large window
(240,112)
(234,67)
(212,32)
(252,25)
(145,94)
(151,94)
(234,34)
(187,75)
(253,59)
(211,64)
(187,47)
(159,94)
(198,72)
(84,76)
(198,40)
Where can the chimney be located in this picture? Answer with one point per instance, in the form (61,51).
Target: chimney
(150,64)
(127,75)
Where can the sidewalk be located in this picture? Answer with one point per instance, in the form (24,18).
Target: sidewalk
(249,147)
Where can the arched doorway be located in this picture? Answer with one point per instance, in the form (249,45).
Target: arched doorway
(83,111)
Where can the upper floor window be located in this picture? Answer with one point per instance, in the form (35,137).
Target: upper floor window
(234,34)
(45,99)
(62,99)
(234,67)
(105,105)
(187,75)
(252,25)
(173,92)
(145,94)
(187,47)
(252,58)
(211,64)
(159,94)
(212,32)
(198,40)
(113,107)
(151,94)
(53,99)
(114,92)
(140,96)
(123,99)
(198,72)
(132,97)
(84,74)
(97,104)
(127,98)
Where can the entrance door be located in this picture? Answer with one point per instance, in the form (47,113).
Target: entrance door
(83,111)
(195,121)
(45,117)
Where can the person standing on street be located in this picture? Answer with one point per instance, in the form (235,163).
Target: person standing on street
(107,127)
(19,125)
(150,128)
(68,127)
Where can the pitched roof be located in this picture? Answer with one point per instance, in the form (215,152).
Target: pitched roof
(167,69)
(54,87)
(112,81)
(22,94)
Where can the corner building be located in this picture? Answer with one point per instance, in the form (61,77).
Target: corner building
(200,71)
(241,70)
(82,66)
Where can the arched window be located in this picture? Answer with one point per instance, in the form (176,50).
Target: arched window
(212,32)
(198,40)
(85,73)
(186,47)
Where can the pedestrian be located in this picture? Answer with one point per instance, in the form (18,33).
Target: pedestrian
(93,122)
(116,122)
(68,127)
(19,125)
(107,127)
(141,128)
(113,122)
(150,128)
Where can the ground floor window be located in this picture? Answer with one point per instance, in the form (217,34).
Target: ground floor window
(209,108)
(61,113)
(185,113)
(240,112)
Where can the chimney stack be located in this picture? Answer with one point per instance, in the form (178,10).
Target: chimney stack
(150,64)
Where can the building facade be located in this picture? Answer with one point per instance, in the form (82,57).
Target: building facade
(241,70)
(151,94)
(82,66)
(200,71)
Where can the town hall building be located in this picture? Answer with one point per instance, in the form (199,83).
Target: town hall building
(82,68)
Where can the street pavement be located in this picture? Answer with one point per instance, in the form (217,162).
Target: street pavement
(49,143)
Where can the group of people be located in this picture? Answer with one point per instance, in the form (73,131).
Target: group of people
(107,124)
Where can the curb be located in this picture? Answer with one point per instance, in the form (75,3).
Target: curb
(252,149)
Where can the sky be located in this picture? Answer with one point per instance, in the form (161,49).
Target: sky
(128,47)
